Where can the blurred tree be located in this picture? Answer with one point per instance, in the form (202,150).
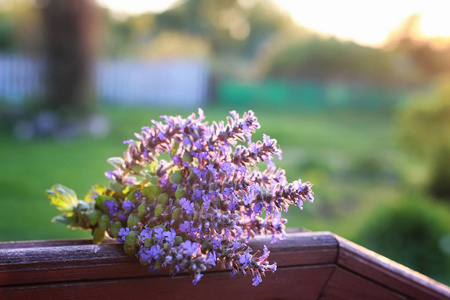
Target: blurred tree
(235,29)
(7,40)
(125,35)
(176,44)
(425,131)
(231,26)
(423,51)
(267,22)
(15,34)
(326,59)
(69,33)
(207,18)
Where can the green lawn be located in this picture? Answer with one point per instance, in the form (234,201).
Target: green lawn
(321,148)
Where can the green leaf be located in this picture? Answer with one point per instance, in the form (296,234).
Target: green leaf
(151,191)
(205,246)
(148,242)
(176,177)
(133,220)
(99,235)
(93,216)
(131,238)
(163,199)
(131,193)
(209,175)
(130,250)
(176,214)
(160,226)
(176,145)
(137,168)
(82,206)
(114,229)
(153,179)
(103,222)
(100,201)
(187,157)
(153,166)
(62,197)
(69,221)
(158,263)
(142,209)
(96,191)
(116,162)
(144,263)
(100,189)
(158,210)
(192,178)
(179,193)
(178,240)
(115,186)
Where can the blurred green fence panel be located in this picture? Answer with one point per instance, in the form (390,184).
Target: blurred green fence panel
(307,95)
(274,92)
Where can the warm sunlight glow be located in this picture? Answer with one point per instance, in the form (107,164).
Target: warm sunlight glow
(436,22)
(136,6)
(365,22)
(368,22)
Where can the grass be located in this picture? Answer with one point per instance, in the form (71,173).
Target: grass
(321,148)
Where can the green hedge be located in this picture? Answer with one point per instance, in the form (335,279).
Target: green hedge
(413,232)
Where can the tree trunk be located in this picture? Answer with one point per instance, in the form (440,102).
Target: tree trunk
(69,29)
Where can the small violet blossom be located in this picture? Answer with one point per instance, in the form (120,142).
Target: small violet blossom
(128,205)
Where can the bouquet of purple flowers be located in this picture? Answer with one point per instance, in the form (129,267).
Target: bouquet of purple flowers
(198,207)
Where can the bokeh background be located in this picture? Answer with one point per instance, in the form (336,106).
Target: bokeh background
(357,93)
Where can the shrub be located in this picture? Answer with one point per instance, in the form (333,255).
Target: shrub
(410,232)
(425,124)
(317,58)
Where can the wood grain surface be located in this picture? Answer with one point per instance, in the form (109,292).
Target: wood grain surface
(311,265)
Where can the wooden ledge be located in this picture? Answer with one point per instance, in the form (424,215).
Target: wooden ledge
(311,265)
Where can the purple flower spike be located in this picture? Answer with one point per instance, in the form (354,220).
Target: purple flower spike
(188,194)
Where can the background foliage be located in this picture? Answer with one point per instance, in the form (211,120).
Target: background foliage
(368,126)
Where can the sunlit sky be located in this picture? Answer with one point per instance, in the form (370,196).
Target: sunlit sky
(365,22)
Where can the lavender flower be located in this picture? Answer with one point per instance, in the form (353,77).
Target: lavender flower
(128,205)
(146,233)
(170,235)
(187,205)
(200,208)
(159,234)
(123,232)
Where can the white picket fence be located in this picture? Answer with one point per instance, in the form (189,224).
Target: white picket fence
(180,82)
(20,78)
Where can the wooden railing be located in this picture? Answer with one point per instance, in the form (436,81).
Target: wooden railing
(311,265)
